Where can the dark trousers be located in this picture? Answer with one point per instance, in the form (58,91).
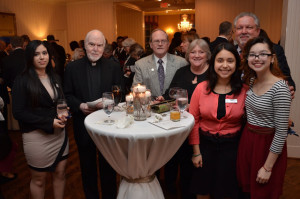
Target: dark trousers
(88,163)
(181,160)
(3,124)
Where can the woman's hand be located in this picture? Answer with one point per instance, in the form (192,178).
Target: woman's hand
(57,123)
(197,161)
(292,90)
(263,176)
(64,118)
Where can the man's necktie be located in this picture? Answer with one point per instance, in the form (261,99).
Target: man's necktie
(161,75)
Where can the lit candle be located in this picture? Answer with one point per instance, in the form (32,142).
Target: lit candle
(139,88)
(129,97)
(148,93)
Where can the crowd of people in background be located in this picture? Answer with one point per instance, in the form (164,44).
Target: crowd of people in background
(239,90)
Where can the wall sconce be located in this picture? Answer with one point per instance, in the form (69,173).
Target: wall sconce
(170,31)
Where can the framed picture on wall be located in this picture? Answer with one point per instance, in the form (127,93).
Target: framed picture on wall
(8,26)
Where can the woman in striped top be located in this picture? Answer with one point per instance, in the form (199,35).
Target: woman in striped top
(262,150)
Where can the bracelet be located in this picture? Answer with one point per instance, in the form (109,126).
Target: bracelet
(196,155)
(267,169)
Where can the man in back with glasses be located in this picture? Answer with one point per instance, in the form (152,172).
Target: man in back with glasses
(247,26)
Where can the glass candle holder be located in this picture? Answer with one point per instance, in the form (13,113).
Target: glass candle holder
(139,103)
(129,104)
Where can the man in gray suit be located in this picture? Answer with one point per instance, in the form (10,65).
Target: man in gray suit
(156,71)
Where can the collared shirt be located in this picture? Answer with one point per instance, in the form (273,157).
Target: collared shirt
(239,50)
(164,59)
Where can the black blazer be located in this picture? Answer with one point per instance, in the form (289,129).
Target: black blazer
(76,83)
(76,90)
(32,118)
(283,65)
(216,42)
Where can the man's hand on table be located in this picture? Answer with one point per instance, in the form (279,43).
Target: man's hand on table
(86,109)
(158,100)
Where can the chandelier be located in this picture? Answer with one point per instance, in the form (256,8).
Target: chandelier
(184,25)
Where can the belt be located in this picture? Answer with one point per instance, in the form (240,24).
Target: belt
(261,130)
(146,179)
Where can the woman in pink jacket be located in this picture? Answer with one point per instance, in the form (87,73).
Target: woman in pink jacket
(217,105)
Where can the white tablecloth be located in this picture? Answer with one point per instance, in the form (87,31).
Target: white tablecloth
(137,151)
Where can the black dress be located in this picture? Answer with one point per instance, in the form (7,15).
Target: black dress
(183,78)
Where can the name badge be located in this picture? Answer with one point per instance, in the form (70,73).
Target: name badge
(231,101)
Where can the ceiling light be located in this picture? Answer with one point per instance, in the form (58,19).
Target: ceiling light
(184,25)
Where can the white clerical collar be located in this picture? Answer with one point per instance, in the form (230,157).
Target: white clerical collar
(223,37)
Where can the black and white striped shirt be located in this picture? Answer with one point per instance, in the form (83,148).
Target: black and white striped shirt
(272,109)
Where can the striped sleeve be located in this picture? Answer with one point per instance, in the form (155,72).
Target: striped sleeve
(281,104)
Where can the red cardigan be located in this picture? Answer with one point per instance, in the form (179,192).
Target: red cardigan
(204,107)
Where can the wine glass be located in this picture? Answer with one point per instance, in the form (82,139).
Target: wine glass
(108,106)
(173,91)
(116,89)
(62,108)
(182,99)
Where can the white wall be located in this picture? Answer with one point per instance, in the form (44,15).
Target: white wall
(88,15)
(37,19)
(130,23)
(291,42)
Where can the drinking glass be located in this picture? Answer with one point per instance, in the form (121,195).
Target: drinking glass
(108,106)
(182,99)
(173,92)
(62,108)
(116,89)
(174,114)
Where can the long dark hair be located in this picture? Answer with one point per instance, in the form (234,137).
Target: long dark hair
(235,80)
(34,88)
(248,72)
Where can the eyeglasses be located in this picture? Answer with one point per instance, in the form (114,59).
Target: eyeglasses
(157,42)
(92,45)
(248,28)
(260,55)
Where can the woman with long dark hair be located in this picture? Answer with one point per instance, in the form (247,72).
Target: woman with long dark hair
(217,105)
(262,154)
(34,98)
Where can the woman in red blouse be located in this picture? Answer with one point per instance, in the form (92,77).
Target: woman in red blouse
(218,108)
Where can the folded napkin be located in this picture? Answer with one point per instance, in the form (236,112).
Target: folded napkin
(157,118)
(125,122)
